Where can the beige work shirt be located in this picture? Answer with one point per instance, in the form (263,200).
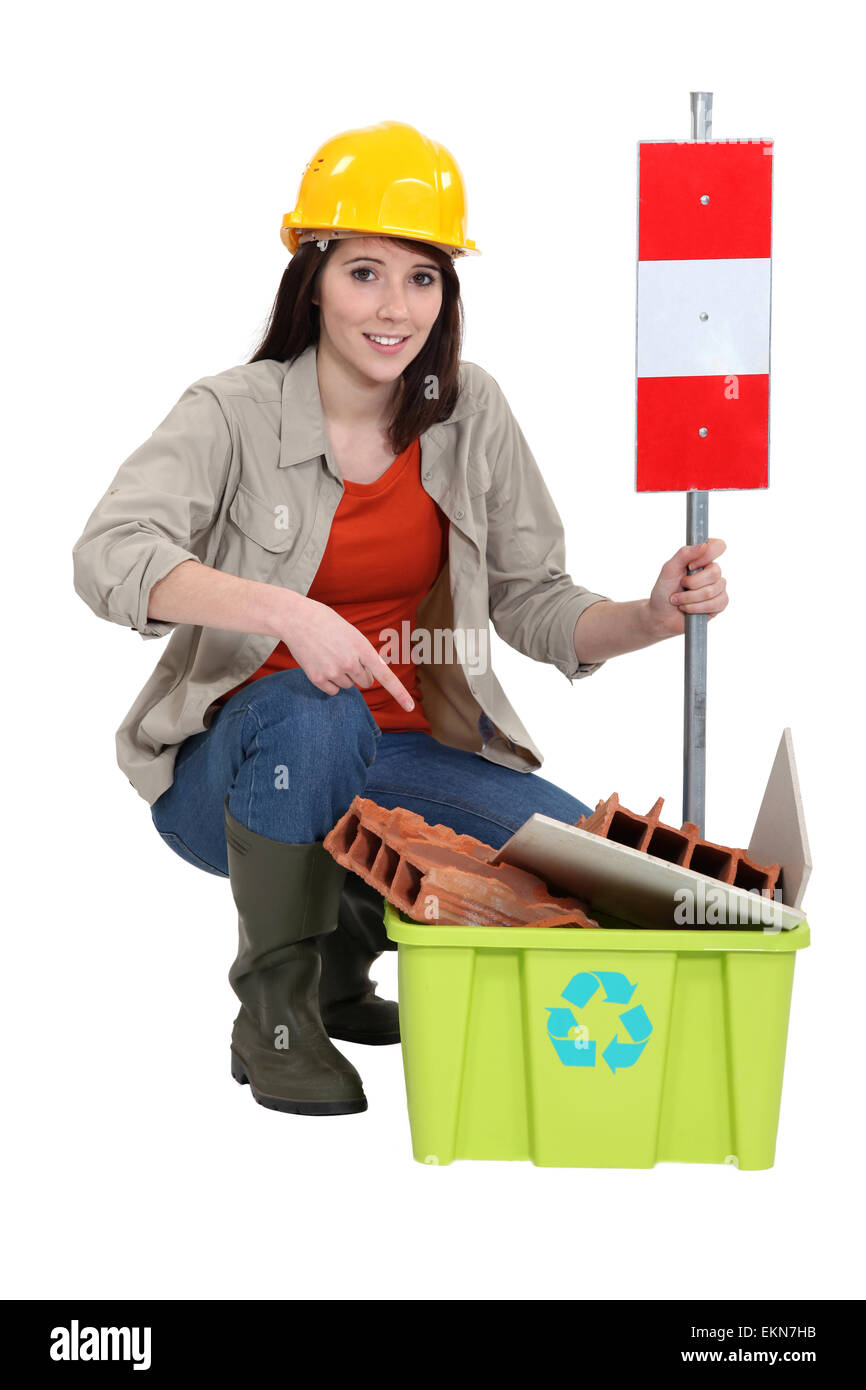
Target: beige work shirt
(240,475)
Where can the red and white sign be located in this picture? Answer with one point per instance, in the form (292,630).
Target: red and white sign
(703,314)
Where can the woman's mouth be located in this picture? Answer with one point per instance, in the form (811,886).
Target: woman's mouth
(388,343)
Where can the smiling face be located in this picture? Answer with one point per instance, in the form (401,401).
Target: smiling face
(373,288)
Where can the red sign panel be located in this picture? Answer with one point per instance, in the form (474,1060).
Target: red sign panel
(703,322)
(674,225)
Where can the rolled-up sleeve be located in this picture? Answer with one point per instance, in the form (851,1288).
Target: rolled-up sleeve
(534,602)
(161,501)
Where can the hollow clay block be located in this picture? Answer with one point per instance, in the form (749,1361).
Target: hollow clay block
(614,822)
(651,835)
(432,874)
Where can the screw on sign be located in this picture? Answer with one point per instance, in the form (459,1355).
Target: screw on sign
(568,1035)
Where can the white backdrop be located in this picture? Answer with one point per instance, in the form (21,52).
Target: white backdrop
(152,154)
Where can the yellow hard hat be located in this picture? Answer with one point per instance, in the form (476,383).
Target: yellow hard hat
(382,180)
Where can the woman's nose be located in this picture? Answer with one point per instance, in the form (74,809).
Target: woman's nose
(393,303)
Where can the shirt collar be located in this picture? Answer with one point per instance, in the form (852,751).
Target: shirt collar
(303,435)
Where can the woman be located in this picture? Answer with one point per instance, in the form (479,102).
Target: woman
(294,522)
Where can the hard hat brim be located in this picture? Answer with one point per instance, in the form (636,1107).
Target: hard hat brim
(293,237)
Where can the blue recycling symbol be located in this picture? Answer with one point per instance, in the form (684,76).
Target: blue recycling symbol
(568,1035)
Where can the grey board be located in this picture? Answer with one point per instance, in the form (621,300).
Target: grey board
(779,835)
(638,888)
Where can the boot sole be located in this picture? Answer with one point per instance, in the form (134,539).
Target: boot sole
(371,1039)
(295,1107)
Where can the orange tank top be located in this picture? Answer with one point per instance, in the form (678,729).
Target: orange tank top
(387,544)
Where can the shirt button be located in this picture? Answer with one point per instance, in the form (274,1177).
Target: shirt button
(428,472)
(458,514)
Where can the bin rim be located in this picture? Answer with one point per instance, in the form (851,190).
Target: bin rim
(404,930)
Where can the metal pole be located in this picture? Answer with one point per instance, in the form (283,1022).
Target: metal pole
(697,530)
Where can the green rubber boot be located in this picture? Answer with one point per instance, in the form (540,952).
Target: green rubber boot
(349,1005)
(288,898)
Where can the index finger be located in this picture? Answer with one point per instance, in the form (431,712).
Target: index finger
(386,678)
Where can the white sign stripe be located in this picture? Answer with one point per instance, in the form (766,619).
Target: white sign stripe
(733,339)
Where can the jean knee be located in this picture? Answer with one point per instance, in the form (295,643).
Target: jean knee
(333,724)
(351,725)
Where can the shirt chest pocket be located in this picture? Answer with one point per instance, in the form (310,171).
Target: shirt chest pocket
(477,487)
(477,475)
(261,534)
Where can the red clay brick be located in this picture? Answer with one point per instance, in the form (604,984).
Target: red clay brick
(435,875)
(684,846)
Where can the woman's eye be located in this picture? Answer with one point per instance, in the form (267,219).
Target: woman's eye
(366,270)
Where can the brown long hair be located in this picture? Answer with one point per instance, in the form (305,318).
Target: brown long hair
(294,323)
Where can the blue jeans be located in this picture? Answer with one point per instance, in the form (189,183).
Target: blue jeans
(291,759)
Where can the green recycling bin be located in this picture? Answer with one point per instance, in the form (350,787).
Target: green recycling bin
(608,1048)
